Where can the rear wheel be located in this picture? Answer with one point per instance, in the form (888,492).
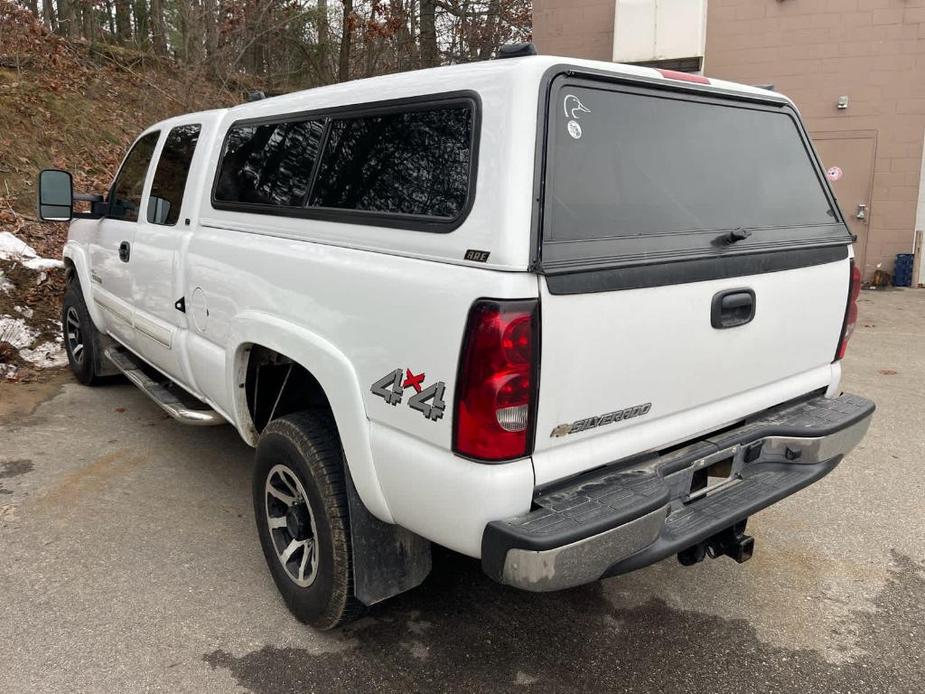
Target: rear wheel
(81,338)
(300,505)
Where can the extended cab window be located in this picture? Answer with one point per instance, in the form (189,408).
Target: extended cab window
(414,163)
(125,197)
(269,164)
(638,175)
(166,196)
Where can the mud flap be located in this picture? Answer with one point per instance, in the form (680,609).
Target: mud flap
(387,559)
(101,365)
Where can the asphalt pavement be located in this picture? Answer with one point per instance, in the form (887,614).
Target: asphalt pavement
(129,562)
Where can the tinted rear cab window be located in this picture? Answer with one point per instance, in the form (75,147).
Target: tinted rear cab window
(170,176)
(643,175)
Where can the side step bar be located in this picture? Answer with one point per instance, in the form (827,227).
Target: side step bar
(168,401)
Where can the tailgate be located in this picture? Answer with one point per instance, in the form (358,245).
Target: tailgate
(695,269)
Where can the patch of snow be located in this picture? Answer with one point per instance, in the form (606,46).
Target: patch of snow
(16,332)
(11,248)
(25,311)
(47,355)
(21,337)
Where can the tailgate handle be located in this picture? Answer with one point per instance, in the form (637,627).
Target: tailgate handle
(732,308)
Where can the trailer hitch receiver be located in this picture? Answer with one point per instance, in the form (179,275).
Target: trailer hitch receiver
(731,542)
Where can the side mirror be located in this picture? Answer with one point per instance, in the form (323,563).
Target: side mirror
(56,196)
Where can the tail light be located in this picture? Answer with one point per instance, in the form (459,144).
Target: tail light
(851,312)
(497,381)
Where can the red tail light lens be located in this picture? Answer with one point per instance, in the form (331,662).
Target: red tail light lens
(851,312)
(496,386)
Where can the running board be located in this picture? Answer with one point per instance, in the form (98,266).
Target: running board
(168,401)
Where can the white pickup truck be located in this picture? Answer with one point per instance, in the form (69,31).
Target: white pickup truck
(567,317)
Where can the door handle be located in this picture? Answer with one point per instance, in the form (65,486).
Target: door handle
(732,308)
(125,251)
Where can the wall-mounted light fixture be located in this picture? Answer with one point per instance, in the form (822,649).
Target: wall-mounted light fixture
(842,103)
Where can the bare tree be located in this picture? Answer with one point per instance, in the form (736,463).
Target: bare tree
(428,16)
(158,30)
(346,39)
(123,20)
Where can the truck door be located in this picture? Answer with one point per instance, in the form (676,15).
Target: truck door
(162,234)
(111,260)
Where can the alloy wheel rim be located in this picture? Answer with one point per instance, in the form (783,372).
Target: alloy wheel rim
(74,334)
(291,523)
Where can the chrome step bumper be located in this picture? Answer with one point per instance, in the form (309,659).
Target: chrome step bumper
(623,518)
(131,368)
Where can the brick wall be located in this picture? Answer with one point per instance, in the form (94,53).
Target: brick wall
(873,51)
(574,28)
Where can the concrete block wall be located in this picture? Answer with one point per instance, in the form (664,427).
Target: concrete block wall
(872,51)
(574,28)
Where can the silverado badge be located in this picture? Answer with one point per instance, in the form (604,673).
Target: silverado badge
(602,420)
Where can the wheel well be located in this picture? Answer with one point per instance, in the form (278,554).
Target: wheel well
(70,270)
(276,385)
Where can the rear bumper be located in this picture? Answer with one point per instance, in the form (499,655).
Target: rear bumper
(623,518)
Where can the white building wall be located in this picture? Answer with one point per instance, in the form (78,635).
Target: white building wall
(647,30)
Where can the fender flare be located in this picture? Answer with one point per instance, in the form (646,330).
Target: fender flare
(338,379)
(78,257)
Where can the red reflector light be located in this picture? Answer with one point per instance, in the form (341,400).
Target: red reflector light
(683,76)
(851,312)
(496,385)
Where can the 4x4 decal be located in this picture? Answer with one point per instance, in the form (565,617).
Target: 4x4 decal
(428,401)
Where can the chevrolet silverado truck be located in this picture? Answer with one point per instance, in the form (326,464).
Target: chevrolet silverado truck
(566,317)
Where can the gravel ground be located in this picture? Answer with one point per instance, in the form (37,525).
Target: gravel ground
(129,562)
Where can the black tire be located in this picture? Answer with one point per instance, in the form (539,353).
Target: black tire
(307,445)
(83,363)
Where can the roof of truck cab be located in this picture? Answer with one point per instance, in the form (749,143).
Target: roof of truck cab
(514,73)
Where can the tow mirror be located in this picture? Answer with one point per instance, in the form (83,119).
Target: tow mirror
(56,196)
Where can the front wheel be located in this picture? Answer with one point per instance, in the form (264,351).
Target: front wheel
(300,505)
(81,338)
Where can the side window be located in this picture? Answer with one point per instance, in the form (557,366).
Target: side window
(170,176)
(269,164)
(412,163)
(125,196)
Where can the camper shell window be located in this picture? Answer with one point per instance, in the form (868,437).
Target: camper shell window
(409,164)
(637,175)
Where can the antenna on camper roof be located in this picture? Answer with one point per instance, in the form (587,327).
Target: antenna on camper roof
(516,50)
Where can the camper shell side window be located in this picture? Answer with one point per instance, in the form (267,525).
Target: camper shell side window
(407,164)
